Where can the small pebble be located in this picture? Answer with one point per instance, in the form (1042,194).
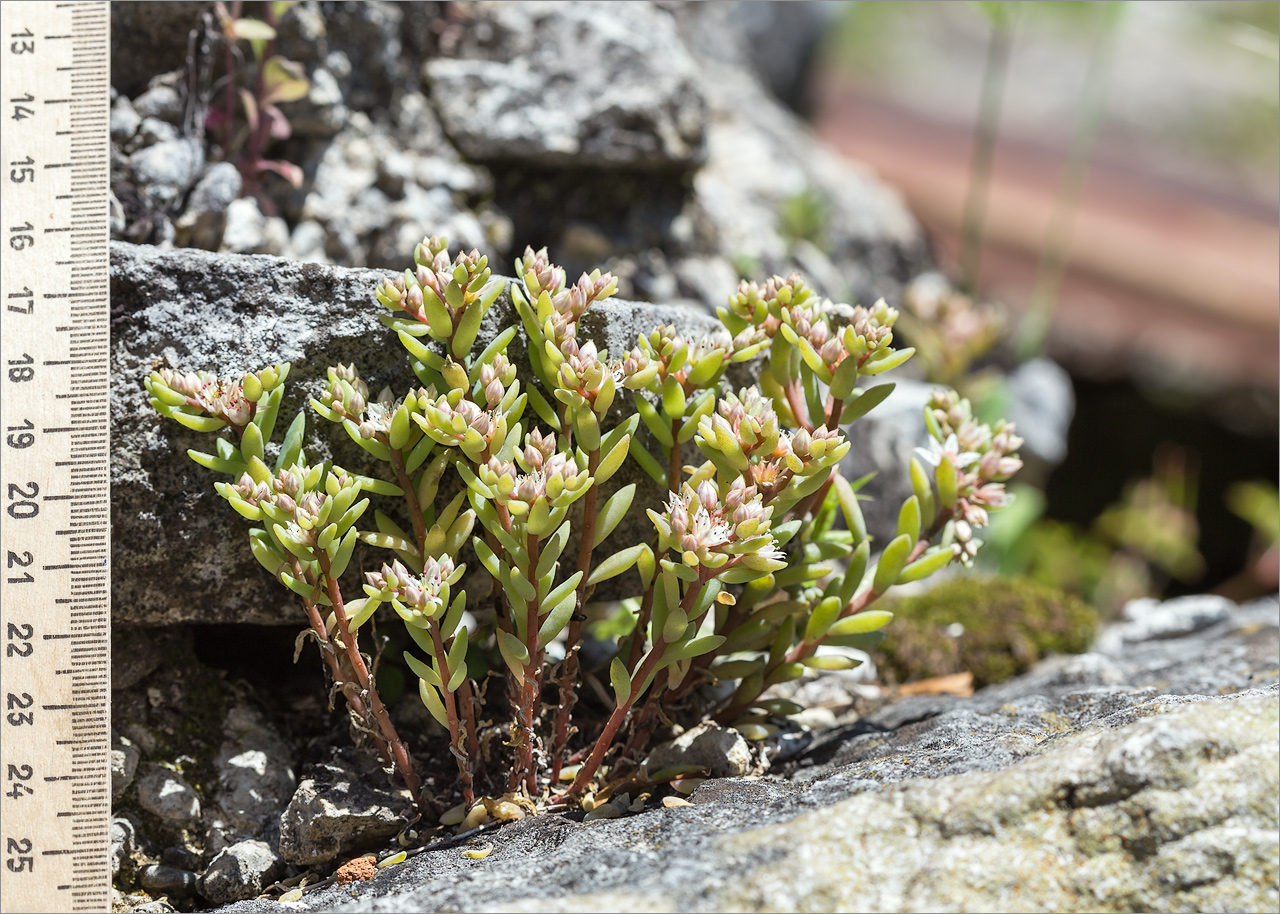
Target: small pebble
(358,870)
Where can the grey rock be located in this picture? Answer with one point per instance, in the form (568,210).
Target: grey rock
(166,794)
(124,762)
(204,220)
(1042,403)
(153,907)
(137,652)
(153,130)
(249,231)
(1154,790)
(759,156)
(240,871)
(124,839)
(306,242)
(166,171)
(163,102)
(254,770)
(334,813)
(167,880)
(124,120)
(322,113)
(512,88)
(1147,620)
(708,745)
(226,313)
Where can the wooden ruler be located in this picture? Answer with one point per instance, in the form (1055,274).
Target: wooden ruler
(55,505)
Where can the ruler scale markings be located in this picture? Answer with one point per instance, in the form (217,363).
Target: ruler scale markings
(62,196)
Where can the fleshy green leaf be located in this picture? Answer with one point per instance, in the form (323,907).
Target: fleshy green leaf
(869,620)
(891,563)
(431,698)
(612,512)
(292,446)
(553,599)
(615,564)
(933,560)
(514,653)
(620,679)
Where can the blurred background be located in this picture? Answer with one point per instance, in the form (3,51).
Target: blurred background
(1105,177)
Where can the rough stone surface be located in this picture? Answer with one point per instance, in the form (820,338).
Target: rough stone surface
(637,137)
(333,813)
(167,794)
(254,771)
(1140,780)
(196,310)
(708,745)
(169,880)
(166,170)
(124,762)
(1147,620)
(240,871)
(203,221)
(513,86)
(124,839)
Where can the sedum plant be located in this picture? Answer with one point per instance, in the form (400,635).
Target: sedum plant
(758,565)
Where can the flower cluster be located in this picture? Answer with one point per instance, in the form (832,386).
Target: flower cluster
(714,533)
(456,422)
(550,308)
(211,400)
(416,598)
(972,461)
(447,298)
(550,480)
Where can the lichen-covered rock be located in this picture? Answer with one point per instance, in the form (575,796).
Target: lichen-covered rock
(254,771)
(179,552)
(1140,780)
(124,762)
(571,83)
(240,871)
(167,794)
(333,813)
(721,750)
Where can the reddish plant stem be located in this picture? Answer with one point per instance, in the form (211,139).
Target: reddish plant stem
(410,500)
(569,672)
(636,647)
(835,406)
(330,655)
(467,702)
(451,715)
(528,692)
(807,505)
(638,679)
(795,399)
(399,753)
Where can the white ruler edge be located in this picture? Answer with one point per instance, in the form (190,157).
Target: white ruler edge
(55,506)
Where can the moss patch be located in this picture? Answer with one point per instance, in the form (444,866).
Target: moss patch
(994,628)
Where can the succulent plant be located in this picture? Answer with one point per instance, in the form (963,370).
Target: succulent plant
(759,565)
